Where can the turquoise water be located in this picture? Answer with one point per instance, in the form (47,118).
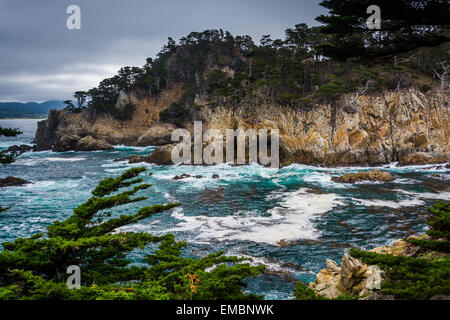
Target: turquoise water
(246,212)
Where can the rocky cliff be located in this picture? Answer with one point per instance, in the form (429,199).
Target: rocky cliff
(63,131)
(406,126)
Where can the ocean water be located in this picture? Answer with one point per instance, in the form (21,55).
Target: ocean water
(246,212)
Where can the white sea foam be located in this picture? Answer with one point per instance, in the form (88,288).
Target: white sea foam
(323,179)
(414,199)
(290,220)
(122,147)
(444,195)
(72,159)
(392,204)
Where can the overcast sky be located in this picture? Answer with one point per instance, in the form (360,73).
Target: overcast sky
(40,59)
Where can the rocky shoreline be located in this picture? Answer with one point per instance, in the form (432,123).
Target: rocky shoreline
(407,127)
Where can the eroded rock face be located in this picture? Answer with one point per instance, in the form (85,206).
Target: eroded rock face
(356,278)
(62,130)
(90,144)
(156,136)
(12,182)
(375,175)
(162,155)
(405,126)
(353,277)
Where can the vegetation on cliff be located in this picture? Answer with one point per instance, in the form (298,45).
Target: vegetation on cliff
(35,267)
(310,65)
(406,25)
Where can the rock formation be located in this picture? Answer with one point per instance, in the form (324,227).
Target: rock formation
(18,150)
(356,278)
(88,144)
(407,126)
(12,182)
(353,277)
(62,130)
(375,175)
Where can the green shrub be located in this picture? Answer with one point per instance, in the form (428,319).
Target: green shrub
(410,278)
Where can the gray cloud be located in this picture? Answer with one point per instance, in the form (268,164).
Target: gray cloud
(41,59)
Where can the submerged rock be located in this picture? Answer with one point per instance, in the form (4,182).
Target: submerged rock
(375,175)
(12,182)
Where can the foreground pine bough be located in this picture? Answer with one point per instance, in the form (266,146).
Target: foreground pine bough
(35,267)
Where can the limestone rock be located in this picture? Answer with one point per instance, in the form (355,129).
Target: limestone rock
(405,126)
(90,144)
(156,136)
(66,143)
(352,271)
(353,277)
(333,267)
(375,175)
(162,155)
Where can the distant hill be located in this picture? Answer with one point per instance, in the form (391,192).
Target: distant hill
(10,110)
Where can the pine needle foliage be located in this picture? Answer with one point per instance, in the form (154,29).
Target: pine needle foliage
(35,267)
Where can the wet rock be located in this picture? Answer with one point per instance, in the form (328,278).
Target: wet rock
(90,144)
(42,147)
(286,243)
(181,177)
(215,176)
(418,158)
(18,150)
(136,159)
(375,175)
(66,143)
(12,182)
(161,155)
